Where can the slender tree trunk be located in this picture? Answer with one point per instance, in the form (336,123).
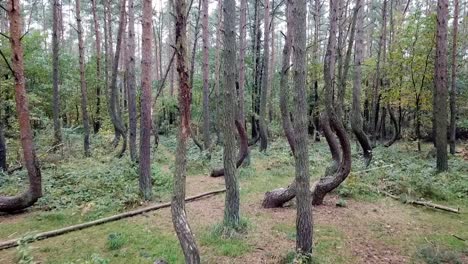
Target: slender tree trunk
(304,227)
(376,87)
(131,83)
(257,71)
(440,85)
(34,192)
(114,98)
(84,91)
(453,91)
(231,209)
(97,119)
(179,218)
(265,79)
(3,149)
(242,48)
(271,73)
(284,81)
(206,69)
(145,126)
(356,117)
(55,74)
(218,58)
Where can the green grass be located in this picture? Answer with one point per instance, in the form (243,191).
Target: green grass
(225,241)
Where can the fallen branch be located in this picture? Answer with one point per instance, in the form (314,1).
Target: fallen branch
(424,203)
(61,231)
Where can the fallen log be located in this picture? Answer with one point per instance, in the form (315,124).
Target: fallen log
(61,231)
(424,203)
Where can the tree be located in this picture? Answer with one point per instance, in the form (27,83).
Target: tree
(179,217)
(304,228)
(131,82)
(453,91)
(97,34)
(114,107)
(84,92)
(34,192)
(231,208)
(330,122)
(242,48)
(3,150)
(265,79)
(440,86)
(206,85)
(145,126)
(356,118)
(55,72)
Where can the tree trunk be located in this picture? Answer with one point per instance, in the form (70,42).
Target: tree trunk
(231,210)
(219,43)
(34,192)
(242,48)
(206,72)
(55,74)
(114,100)
(243,148)
(97,119)
(330,121)
(376,87)
(131,84)
(304,227)
(3,150)
(284,81)
(145,126)
(179,218)
(265,80)
(440,85)
(84,92)
(453,91)
(356,117)
(271,73)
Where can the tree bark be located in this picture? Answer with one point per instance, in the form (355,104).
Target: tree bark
(265,79)
(242,48)
(114,100)
(131,85)
(356,117)
(453,91)
(304,227)
(84,92)
(231,209)
(243,148)
(97,119)
(206,72)
(284,81)
(218,58)
(3,149)
(34,192)
(55,73)
(440,86)
(179,218)
(145,126)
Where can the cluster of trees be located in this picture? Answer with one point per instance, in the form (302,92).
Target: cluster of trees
(396,50)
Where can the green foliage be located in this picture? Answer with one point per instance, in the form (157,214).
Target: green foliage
(433,254)
(227,241)
(24,251)
(115,241)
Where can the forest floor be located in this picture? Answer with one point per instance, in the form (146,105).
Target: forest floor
(355,225)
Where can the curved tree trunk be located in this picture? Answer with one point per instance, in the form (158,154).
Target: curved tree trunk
(84,91)
(131,82)
(114,101)
(179,217)
(395,133)
(34,192)
(243,148)
(145,126)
